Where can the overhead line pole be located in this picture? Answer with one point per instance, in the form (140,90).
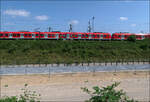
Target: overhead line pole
(70,27)
(93,23)
(49,29)
(89,26)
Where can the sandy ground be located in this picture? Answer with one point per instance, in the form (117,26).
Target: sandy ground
(67,87)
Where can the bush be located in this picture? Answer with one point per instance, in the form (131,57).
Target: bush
(27,96)
(29,51)
(107,94)
(132,38)
(144,46)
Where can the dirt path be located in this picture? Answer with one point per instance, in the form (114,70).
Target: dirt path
(66,87)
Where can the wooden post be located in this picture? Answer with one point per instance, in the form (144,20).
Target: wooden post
(25,70)
(111,62)
(82,63)
(49,72)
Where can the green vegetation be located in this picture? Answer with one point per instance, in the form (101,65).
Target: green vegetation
(104,94)
(132,38)
(71,51)
(27,96)
(107,94)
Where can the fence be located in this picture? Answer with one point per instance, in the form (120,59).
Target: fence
(41,68)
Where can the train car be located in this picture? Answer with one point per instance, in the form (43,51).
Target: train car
(89,36)
(121,36)
(141,36)
(124,36)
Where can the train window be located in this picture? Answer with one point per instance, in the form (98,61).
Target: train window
(119,36)
(1,35)
(25,35)
(82,35)
(122,35)
(79,35)
(64,35)
(6,34)
(37,35)
(14,35)
(41,34)
(29,34)
(93,35)
(51,35)
(104,35)
(18,35)
(98,36)
(72,35)
(76,35)
(86,35)
(101,35)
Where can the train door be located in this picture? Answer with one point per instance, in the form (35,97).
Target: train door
(142,37)
(46,35)
(101,36)
(57,35)
(1,35)
(10,35)
(33,35)
(79,36)
(22,35)
(122,37)
(68,37)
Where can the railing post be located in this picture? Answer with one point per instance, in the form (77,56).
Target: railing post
(49,72)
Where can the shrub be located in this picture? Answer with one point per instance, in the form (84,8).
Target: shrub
(132,38)
(107,94)
(144,46)
(27,96)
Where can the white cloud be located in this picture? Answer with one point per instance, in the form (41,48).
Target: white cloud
(133,25)
(74,22)
(17,12)
(42,17)
(123,18)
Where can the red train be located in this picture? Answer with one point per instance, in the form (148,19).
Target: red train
(124,36)
(70,35)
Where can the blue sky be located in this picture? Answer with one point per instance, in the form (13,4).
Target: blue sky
(110,16)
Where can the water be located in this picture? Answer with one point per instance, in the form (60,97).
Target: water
(20,70)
